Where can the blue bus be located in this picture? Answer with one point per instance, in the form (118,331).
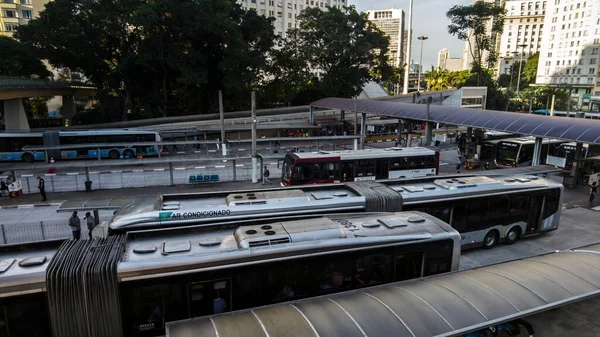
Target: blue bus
(12,143)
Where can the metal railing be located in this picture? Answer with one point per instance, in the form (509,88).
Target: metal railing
(20,83)
(39,231)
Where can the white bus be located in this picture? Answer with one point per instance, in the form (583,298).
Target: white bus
(518,152)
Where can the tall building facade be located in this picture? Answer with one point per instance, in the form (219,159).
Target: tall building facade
(523,30)
(285,12)
(391,22)
(571,48)
(16,13)
(445,62)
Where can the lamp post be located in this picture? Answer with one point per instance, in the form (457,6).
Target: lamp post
(422,38)
(520,63)
(408,46)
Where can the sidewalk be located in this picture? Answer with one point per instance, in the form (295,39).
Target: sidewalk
(58,197)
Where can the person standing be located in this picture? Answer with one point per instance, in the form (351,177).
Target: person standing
(42,187)
(458,163)
(75,224)
(266,175)
(91,223)
(593,190)
(217,142)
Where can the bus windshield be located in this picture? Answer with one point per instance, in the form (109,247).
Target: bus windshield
(507,151)
(286,172)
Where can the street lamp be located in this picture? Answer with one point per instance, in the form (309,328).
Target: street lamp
(422,38)
(520,63)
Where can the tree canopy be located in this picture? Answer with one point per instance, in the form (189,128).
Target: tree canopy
(333,52)
(470,23)
(17,59)
(157,58)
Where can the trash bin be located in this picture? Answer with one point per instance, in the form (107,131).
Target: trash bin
(88,186)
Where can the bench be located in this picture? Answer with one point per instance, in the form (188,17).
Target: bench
(207,178)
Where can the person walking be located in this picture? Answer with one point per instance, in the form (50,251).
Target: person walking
(75,224)
(42,187)
(217,142)
(458,163)
(593,190)
(266,175)
(91,223)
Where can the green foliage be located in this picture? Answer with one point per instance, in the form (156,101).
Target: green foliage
(471,23)
(334,52)
(36,107)
(441,79)
(542,97)
(530,69)
(156,58)
(17,59)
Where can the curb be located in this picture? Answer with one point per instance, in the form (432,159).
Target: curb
(52,204)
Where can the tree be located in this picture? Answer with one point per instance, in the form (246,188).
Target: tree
(470,23)
(334,52)
(155,58)
(530,69)
(17,59)
(541,97)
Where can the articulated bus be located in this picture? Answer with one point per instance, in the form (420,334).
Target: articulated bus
(485,210)
(565,154)
(518,152)
(358,165)
(133,285)
(12,143)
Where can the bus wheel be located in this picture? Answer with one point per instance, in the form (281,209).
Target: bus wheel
(513,235)
(490,240)
(28,157)
(128,154)
(113,154)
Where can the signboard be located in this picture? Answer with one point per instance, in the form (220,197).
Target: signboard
(371,128)
(15,186)
(166,216)
(556,161)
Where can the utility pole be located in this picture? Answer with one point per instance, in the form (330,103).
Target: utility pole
(520,63)
(422,39)
(254,154)
(222,116)
(408,44)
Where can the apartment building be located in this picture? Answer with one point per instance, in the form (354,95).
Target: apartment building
(522,35)
(285,12)
(445,62)
(14,14)
(571,48)
(391,22)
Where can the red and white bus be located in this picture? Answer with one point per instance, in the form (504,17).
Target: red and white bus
(357,165)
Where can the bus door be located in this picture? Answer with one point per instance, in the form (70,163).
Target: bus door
(535,214)
(210,297)
(382,169)
(52,138)
(347,171)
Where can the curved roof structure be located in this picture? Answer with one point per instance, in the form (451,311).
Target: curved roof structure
(446,305)
(573,129)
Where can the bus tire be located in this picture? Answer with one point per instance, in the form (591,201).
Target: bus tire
(114,154)
(28,157)
(513,235)
(490,239)
(128,153)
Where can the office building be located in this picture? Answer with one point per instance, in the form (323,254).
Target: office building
(522,35)
(445,62)
(571,48)
(391,22)
(285,12)
(18,12)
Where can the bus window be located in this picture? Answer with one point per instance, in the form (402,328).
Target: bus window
(16,315)
(518,209)
(477,215)
(210,298)
(399,163)
(526,154)
(408,266)
(551,204)
(499,206)
(347,171)
(459,217)
(442,213)
(382,168)
(149,307)
(365,168)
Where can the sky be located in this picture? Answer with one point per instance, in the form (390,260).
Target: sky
(429,19)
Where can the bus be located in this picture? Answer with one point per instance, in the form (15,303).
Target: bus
(474,302)
(12,143)
(132,285)
(358,165)
(517,152)
(485,210)
(564,155)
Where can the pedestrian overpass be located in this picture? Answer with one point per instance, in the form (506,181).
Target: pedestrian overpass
(13,90)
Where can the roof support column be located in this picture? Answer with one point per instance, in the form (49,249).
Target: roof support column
(363,130)
(468,142)
(15,118)
(311,114)
(429,124)
(537,151)
(579,155)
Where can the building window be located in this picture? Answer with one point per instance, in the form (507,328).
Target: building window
(26,14)
(591,71)
(25,2)
(593,61)
(595,51)
(289,15)
(271,3)
(10,26)
(7,13)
